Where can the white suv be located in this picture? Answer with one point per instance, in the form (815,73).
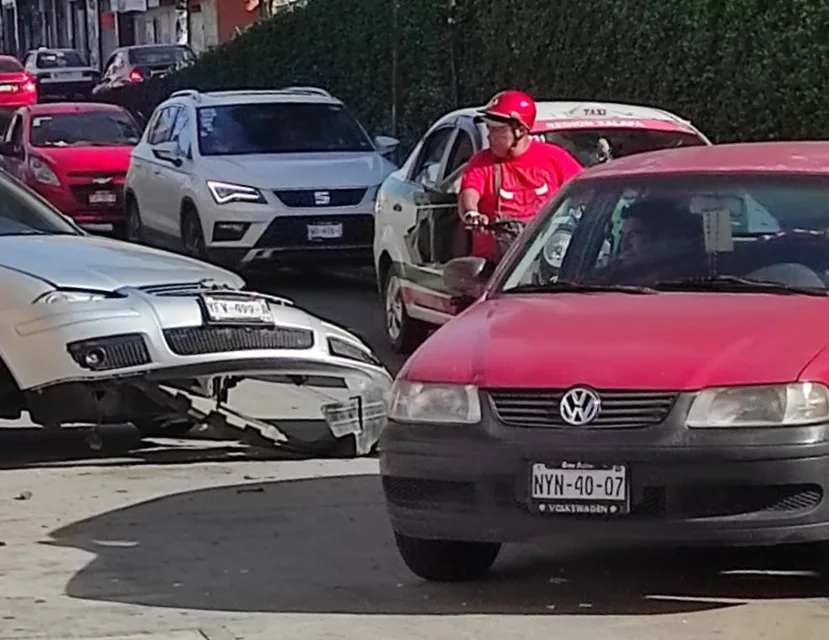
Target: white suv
(242,177)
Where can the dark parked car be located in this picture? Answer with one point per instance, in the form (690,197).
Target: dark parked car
(138,63)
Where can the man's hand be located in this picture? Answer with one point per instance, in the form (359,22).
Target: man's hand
(474,219)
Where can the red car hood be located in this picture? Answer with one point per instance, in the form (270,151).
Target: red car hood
(669,341)
(87,159)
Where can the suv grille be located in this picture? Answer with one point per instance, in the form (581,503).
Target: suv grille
(307,199)
(292,231)
(620,409)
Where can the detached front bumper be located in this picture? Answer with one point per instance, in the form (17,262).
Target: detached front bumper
(686,487)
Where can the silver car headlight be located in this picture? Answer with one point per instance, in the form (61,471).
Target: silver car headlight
(434,403)
(783,405)
(556,247)
(224,192)
(69,295)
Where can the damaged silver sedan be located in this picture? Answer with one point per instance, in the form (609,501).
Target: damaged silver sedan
(97,331)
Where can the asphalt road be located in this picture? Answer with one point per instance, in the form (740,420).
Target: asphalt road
(124,543)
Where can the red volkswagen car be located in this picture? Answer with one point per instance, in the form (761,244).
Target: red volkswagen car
(661,378)
(76,156)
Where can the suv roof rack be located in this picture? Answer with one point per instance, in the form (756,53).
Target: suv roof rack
(181,93)
(300,91)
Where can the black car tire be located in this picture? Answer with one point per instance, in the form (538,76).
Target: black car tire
(133,227)
(192,237)
(411,333)
(447,560)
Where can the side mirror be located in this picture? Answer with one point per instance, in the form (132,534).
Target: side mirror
(466,277)
(168,151)
(386,145)
(8,149)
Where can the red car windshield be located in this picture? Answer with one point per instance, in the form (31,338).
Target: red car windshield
(651,231)
(10,65)
(90,128)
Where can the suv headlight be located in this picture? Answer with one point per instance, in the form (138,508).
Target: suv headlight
(75,296)
(798,403)
(224,192)
(430,402)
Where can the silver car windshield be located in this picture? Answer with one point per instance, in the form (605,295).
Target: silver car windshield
(22,212)
(681,233)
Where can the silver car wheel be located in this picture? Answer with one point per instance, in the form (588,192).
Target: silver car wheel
(394,308)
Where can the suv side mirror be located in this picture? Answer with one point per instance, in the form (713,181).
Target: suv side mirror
(168,151)
(466,277)
(386,145)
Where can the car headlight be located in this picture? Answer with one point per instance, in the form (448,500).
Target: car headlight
(798,403)
(556,247)
(54,297)
(224,192)
(43,173)
(434,403)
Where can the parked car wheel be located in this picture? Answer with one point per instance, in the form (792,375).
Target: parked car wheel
(192,237)
(404,333)
(447,560)
(134,228)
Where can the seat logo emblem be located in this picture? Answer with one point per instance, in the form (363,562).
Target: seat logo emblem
(580,406)
(322,198)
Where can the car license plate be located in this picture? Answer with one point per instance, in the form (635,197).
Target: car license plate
(102,197)
(69,75)
(325,231)
(578,488)
(236,310)
(7,88)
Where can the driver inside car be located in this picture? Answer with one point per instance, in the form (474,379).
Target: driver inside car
(659,241)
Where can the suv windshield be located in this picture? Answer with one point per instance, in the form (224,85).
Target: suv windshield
(737,233)
(591,146)
(59,59)
(279,127)
(90,128)
(159,56)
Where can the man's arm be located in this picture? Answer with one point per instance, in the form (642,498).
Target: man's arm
(468,201)
(473,183)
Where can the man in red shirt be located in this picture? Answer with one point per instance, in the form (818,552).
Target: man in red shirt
(516,176)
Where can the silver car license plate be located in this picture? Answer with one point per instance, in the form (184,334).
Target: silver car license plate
(234,310)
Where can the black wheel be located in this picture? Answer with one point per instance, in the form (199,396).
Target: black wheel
(447,560)
(192,237)
(149,428)
(404,333)
(133,227)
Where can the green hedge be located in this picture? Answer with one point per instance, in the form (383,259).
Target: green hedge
(740,69)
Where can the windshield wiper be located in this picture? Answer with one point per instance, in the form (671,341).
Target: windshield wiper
(566,286)
(735,283)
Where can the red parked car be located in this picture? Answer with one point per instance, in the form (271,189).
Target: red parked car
(75,155)
(17,86)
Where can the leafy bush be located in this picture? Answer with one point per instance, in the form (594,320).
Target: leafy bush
(739,69)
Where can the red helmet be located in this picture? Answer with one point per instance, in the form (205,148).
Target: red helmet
(511,106)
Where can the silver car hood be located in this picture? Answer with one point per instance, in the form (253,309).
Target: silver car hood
(94,262)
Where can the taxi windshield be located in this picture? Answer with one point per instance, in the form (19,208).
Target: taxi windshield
(736,233)
(592,146)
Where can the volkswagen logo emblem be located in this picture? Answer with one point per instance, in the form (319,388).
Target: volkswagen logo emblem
(580,406)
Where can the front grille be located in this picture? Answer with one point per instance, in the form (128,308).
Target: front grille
(112,352)
(292,231)
(83,191)
(110,175)
(191,341)
(620,409)
(315,199)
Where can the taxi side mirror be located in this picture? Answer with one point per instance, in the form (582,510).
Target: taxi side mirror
(466,277)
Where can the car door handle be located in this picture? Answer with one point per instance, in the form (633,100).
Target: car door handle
(397,207)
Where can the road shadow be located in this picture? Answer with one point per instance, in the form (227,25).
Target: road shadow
(323,545)
(122,445)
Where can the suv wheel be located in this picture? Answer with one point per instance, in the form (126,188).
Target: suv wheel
(404,333)
(192,238)
(447,560)
(134,228)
